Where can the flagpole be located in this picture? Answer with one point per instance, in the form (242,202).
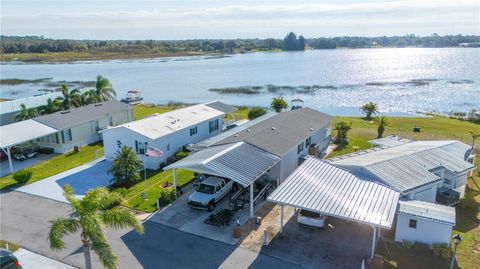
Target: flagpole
(145,164)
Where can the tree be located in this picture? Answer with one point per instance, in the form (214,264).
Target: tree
(88,97)
(278,104)
(302,43)
(381,122)
(125,167)
(474,137)
(52,106)
(256,112)
(104,90)
(71,98)
(91,214)
(290,41)
(369,109)
(342,128)
(26,113)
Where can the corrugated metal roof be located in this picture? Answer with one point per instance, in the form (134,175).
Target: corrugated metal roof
(163,124)
(427,210)
(323,188)
(390,141)
(30,102)
(214,139)
(23,131)
(279,134)
(221,107)
(240,162)
(409,166)
(75,116)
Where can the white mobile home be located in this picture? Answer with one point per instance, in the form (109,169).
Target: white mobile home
(424,222)
(168,132)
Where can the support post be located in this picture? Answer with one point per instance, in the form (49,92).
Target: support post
(251,200)
(175,182)
(374,239)
(281,218)
(9,159)
(145,164)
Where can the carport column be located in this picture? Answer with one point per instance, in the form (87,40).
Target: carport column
(374,238)
(251,200)
(7,151)
(281,218)
(175,182)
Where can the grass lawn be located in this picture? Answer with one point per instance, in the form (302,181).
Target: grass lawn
(467,223)
(56,165)
(152,188)
(141,111)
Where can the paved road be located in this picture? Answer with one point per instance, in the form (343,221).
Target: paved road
(25,220)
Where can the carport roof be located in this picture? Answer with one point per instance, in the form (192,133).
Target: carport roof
(240,162)
(323,188)
(23,131)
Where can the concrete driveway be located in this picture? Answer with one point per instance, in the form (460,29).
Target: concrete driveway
(17,165)
(81,179)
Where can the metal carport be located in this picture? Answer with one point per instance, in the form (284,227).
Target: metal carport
(21,132)
(240,162)
(323,188)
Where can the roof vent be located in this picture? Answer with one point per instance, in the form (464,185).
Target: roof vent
(235,135)
(311,129)
(273,128)
(65,112)
(98,104)
(248,130)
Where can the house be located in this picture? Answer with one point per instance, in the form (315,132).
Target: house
(168,132)
(62,131)
(9,109)
(80,126)
(429,223)
(272,148)
(419,170)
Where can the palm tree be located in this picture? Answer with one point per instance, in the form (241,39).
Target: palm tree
(52,106)
(26,113)
(95,211)
(125,167)
(104,90)
(382,122)
(278,104)
(342,128)
(369,109)
(474,137)
(70,97)
(88,97)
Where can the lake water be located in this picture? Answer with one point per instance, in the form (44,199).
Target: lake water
(399,80)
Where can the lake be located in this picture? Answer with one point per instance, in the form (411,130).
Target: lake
(400,80)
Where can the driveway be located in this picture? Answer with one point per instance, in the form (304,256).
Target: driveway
(17,165)
(25,221)
(81,179)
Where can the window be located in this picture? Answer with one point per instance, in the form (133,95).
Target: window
(140,147)
(308,141)
(119,143)
(168,146)
(193,131)
(300,148)
(412,223)
(52,139)
(96,125)
(66,136)
(213,125)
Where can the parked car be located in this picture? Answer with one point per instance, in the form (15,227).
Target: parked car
(311,219)
(8,260)
(210,192)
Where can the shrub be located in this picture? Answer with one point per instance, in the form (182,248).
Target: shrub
(442,250)
(407,244)
(22,176)
(180,155)
(162,165)
(122,191)
(419,247)
(166,196)
(256,112)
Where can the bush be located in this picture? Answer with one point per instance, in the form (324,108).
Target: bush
(256,112)
(407,244)
(22,176)
(419,247)
(162,165)
(122,191)
(166,196)
(180,155)
(442,250)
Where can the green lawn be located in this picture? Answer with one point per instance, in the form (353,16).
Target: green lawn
(468,216)
(435,128)
(56,164)
(152,188)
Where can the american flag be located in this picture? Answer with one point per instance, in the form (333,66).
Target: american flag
(153,152)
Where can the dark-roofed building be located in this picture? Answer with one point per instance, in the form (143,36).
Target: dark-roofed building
(80,126)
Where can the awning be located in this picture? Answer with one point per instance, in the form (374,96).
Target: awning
(323,188)
(23,131)
(240,162)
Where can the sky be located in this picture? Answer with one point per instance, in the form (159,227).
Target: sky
(195,19)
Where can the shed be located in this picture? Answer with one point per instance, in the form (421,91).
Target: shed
(419,221)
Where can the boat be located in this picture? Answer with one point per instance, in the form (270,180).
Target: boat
(296,103)
(133,98)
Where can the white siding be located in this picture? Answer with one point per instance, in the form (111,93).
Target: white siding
(427,194)
(427,231)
